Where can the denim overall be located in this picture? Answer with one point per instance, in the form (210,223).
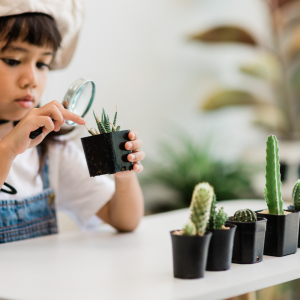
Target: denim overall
(30,217)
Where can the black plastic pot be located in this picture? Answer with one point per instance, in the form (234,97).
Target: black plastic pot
(189,255)
(282,234)
(220,249)
(106,154)
(291,208)
(249,239)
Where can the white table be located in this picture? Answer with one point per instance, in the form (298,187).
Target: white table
(135,266)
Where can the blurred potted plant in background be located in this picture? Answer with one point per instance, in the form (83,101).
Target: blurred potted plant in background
(277,66)
(183,163)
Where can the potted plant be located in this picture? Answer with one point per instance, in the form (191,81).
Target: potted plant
(221,243)
(249,239)
(105,151)
(190,245)
(282,226)
(296,202)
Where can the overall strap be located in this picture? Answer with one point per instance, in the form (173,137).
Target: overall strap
(45,169)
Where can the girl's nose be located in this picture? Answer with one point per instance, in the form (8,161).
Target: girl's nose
(28,77)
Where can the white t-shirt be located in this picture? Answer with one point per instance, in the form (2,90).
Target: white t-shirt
(76,193)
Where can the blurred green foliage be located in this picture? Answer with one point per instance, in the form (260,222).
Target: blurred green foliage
(183,163)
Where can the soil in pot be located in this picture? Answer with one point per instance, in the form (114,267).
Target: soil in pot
(220,248)
(106,154)
(249,239)
(189,255)
(282,233)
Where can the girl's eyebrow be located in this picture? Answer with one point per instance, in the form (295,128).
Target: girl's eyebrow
(20,49)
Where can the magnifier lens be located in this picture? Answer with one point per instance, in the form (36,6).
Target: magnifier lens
(79,99)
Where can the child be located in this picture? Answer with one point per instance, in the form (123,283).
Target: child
(37,176)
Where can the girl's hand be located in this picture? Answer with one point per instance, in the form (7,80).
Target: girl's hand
(136,156)
(18,139)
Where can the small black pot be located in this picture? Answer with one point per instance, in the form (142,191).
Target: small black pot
(106,154)
(190,255)
(282,234)
(220,249)
(291,208)
(249,239)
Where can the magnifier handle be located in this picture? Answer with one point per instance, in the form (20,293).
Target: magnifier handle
(36,133)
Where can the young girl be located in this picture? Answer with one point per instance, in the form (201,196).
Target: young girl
(41,175)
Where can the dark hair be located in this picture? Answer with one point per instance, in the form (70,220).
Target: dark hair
(37,29)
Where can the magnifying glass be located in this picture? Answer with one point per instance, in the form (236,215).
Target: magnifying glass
(78,100)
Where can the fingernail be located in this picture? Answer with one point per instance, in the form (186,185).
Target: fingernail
(129,145)
(82,119)
(133,135)
(132,156)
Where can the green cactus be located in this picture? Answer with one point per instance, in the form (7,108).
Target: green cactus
(244,215)
(296,195)
(115,118)
(200,206)
(216,219)
(272,189)
(221,218)
(189,229)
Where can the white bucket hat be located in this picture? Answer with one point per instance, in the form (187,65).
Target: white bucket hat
(68,15)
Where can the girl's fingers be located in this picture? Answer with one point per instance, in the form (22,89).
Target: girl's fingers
(59,114)
(132,135)
(46,122)
(136,156)
(138,167)
(133,145)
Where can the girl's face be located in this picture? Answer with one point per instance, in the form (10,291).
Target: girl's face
(23,73)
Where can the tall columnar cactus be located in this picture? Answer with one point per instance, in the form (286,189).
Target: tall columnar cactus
(200,206)
(272,189)
(296,195)
(244,215)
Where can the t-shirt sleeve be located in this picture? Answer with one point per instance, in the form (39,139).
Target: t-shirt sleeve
(79,195)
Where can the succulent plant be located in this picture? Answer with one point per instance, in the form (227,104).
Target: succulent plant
(244,215)
(200,207)
(189,229)
(296,195)
(217,218)
(104,126)
(221,218)
(272,189)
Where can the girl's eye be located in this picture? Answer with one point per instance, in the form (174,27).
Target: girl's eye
(42,66)
(11,62)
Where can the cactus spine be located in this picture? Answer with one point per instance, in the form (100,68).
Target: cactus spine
(200,205)
(244,215)
(272,189)
(296,195)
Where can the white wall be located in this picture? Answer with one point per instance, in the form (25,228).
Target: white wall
(138,54)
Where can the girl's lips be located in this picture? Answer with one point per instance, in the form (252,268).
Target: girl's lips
(26,102)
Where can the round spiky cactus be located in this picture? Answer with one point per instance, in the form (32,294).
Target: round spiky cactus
(244,215)
(296,195)
(189,229)
(200,206)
